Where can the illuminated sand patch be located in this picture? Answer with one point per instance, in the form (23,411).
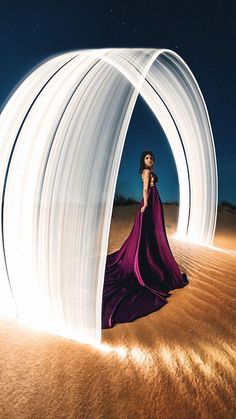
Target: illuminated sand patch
(178,361)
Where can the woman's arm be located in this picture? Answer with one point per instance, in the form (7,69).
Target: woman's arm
(146,176)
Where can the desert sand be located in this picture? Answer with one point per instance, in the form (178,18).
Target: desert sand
(178,362)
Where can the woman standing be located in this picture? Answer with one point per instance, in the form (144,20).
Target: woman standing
(139,276)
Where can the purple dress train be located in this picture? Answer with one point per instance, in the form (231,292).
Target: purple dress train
(139,276)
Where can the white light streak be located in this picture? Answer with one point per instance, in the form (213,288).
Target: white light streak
(62,135)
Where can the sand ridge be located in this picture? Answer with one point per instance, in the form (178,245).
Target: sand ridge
(178,362)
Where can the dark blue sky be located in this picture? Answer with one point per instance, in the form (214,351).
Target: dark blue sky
(203,33)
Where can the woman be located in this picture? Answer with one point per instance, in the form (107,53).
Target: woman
(139,276)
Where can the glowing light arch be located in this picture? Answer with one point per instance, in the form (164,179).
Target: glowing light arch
(62,135)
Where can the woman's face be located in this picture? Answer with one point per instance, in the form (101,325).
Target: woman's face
(148,160)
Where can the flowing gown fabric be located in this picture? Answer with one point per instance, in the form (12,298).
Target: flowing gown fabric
(139,276)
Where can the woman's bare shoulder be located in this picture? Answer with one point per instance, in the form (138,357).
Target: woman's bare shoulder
(146,172)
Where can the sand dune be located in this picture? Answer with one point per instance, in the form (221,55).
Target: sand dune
(178,362)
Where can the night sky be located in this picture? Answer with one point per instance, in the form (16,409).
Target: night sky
(202,33)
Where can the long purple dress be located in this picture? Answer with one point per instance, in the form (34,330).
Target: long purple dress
(139,276)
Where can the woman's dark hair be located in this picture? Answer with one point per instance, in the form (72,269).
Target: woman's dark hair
(142,165)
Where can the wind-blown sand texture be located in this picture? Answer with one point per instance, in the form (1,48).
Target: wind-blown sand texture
(178,362)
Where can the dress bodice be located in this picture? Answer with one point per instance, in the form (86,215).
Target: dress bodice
(153,178)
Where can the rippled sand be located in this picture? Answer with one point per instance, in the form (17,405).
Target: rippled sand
(178,362)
